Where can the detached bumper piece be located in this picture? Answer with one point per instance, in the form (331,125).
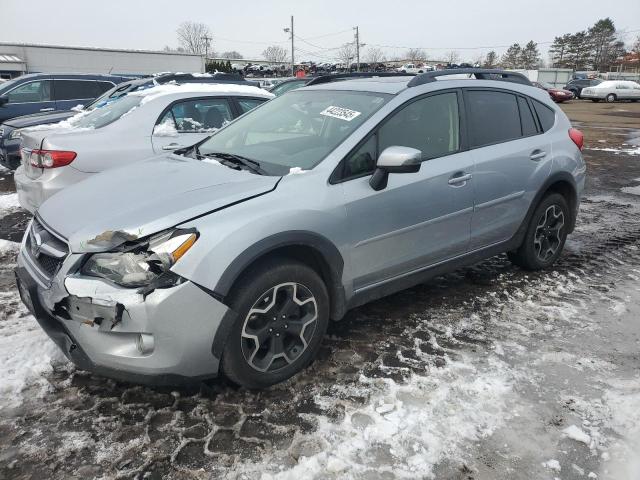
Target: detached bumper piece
(164,339)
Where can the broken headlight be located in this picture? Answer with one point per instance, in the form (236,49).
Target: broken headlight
(143,263)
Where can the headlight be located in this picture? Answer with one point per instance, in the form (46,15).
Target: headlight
(144,263)
(16,134)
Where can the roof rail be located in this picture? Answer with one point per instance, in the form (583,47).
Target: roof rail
(479,73)
(346,76)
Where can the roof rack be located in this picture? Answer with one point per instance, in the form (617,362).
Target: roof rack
(346,76)
(479,73)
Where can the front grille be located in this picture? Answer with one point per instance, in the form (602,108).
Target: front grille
(46,251)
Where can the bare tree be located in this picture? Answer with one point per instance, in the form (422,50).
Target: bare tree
(346,53)
(232,55)
(375,55)
(275,54)
(491,60)
(415,54)
(452,56)
(194,37)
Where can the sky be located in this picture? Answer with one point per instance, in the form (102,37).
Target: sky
(469,27)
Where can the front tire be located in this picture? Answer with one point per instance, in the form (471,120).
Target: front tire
(546,234)
(611,98)
(283,313)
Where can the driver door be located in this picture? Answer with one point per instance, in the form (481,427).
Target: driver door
(420,218)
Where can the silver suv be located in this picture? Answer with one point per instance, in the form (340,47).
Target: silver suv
(233,255)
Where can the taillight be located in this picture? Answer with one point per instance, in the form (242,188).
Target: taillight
(577,137)
(51,158)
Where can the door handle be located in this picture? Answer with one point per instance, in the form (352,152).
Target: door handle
(460,179)
(47,109)
(537,154)
(172,146)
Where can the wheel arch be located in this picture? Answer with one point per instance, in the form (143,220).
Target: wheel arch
(309,248)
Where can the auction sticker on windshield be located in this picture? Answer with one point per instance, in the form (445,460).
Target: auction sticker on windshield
(341,113)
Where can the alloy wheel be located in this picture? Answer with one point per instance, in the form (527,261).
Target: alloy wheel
(548,235)
(279,326)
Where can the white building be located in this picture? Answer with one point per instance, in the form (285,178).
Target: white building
(19,58)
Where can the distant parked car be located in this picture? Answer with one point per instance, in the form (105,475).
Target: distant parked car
(411,68)
(134,127)
(40,92)
(576,85)
(11,130)
(558,95)
(612,90)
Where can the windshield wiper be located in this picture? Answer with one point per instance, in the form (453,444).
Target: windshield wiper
(237,160)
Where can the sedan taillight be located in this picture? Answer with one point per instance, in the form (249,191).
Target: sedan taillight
(51,158)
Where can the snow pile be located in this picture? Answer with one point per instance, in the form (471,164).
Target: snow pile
(577,434)
(165,129)
(153,93)
(617,151)
(552,465)
(296,171)
(9,202)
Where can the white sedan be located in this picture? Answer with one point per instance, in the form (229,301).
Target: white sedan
(134,127)
(612,90)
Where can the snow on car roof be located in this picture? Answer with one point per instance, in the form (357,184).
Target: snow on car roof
(190,88)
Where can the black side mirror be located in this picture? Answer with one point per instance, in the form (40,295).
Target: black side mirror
(395,160)
(3,100)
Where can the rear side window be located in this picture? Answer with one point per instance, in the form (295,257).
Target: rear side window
(527,119)
(546,116)
(493,117)
(74,89)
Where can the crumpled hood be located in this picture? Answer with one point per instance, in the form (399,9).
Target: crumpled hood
(145,198)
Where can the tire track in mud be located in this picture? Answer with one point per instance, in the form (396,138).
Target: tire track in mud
(377,363)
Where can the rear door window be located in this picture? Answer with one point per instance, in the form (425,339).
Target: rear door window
(546,116)
(74,89)
(493,117)
(527,119)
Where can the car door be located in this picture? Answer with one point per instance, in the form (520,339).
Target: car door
(186,122)
(69,93)
(512,159)
(419,218)
(27,98)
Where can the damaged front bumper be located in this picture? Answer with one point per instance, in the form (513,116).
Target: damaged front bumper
(166,337)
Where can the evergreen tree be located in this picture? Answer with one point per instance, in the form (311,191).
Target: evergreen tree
(529,56)
(491,60)
(512,57)
(602,39)
(559,51)
(578,51)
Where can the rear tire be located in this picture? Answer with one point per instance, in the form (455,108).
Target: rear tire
(546,234)
(283,313)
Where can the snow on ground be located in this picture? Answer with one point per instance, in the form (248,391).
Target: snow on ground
(8,202)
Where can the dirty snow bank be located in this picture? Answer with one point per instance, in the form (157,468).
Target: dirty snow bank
(9,202)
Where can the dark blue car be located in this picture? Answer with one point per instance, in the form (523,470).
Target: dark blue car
(10,135)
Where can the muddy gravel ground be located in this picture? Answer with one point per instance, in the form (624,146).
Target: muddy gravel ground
(487,373)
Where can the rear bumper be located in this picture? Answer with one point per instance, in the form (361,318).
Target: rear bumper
(181,322)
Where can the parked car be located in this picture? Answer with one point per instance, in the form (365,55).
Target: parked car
(232,256)
(11,130)
(133,127)
(576,85)
(613,90)
(411,68)
(558,95)
(40,92)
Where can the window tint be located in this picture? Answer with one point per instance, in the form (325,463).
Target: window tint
(31,92)
(430,125)
(526,117)
(74,89)
(247,104)
(546,116)
(493,117)
(199,116)
(102,87)
(362,161)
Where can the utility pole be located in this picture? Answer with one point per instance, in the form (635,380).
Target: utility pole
(293,63)
(357,35)
(206,39)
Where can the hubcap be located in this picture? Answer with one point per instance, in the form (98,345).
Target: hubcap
(548,234)
(279,326)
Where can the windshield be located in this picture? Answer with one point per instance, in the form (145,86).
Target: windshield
(8,85)
(298,129)
(99,117)
(117,92)
(546,85)
(287,86)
